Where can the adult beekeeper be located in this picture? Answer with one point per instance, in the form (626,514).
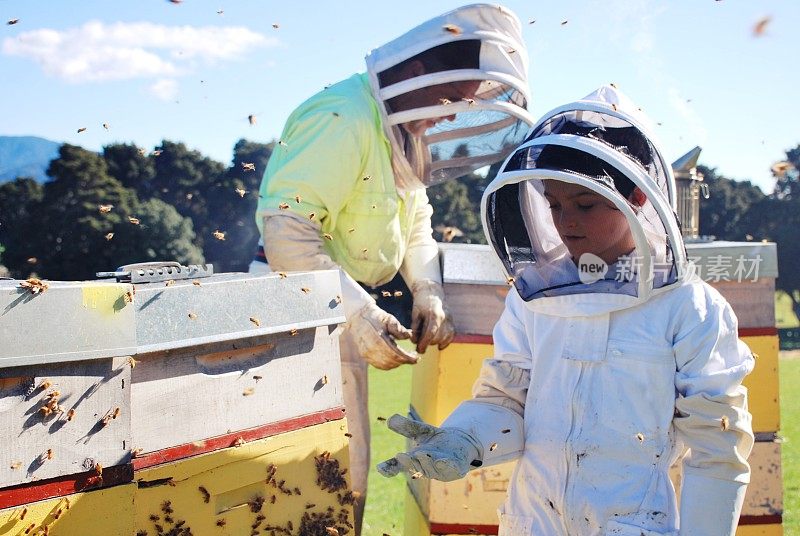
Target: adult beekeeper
(345,186)
(611,357)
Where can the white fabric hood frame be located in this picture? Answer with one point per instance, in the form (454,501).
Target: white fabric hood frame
(503,62)
(585,304)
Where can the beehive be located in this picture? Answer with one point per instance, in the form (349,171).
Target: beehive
(180,404)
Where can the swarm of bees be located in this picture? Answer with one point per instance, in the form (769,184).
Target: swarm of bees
(35,286)
(329,476)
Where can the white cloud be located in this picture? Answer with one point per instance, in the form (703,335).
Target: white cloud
(122,51)
(165,89)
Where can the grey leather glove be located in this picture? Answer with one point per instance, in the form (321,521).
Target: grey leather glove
(439,453)
(431,323)
(374,331)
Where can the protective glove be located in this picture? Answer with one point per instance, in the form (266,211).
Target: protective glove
(439,453)
(374,331)
(431,323)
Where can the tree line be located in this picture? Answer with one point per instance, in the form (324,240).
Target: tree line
(126,204)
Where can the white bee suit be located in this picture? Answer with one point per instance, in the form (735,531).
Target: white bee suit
(605,384)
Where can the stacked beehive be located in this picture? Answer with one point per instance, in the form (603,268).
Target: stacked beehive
(205,406)
(744,273)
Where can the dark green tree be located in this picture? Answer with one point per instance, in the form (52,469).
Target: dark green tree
(89,222)
(787,175)
(728,202)
(19,200)
(232,205)
(130,167)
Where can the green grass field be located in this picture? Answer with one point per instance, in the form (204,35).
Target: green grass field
(790,430)
(389,393)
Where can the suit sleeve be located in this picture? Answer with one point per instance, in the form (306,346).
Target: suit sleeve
(712,418)
(495,414)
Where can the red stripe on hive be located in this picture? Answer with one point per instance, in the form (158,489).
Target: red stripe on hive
(187,450)
(64,485)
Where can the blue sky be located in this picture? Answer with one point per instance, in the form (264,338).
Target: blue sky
(193,71)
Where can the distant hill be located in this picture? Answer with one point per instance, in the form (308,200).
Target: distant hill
(26,156)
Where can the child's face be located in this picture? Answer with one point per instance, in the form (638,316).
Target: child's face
(588,222)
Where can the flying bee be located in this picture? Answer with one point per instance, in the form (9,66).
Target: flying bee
(367,177)
(469,101)
(452,28)
(337,299)
(248,166)
(240,191)
(11,22)
(305,290)
(312,215)
(283,143)
(351,230)
(133,220)
(105,126)
(293,332)
(196,283)
(219,235)
(640,437)
(283,206)
(249,391)
(131,361)
(156,152)
(276,25)
(510,279)
(282,275)
(327,236)
(444,101)
(492,447)
(109,236)
(105,209)
(82,129)
(416,475)
(398,293)
(192,316)
(564,22)
(136,452)
(15,465)
(255,321)
(251,119)
(725,423)
(169,282)
(386,293)
(239,442)
(115,414)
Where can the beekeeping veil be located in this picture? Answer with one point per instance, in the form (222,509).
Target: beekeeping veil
(601,143)
(485,118)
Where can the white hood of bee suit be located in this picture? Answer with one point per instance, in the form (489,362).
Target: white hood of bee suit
(485,128)
(600,143)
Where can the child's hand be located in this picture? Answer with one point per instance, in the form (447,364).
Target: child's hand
(439,453)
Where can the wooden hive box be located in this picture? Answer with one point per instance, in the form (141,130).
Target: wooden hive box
(223,375)
(475,289)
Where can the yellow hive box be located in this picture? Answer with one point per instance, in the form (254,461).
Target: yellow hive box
(273,482)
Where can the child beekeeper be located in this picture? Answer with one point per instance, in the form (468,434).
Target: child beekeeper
(611,357)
